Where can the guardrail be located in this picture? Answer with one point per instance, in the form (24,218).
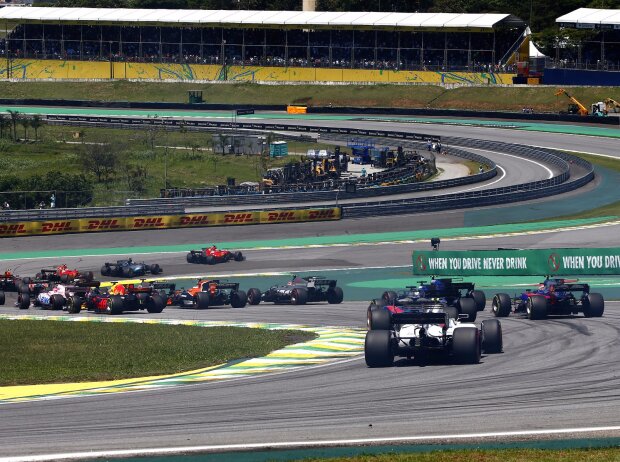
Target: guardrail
(555,185)
(88,212)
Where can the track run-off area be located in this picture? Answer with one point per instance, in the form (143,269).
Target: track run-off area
(557,378)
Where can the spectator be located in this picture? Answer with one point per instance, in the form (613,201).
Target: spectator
(6,206)
(53,201)
(41,205)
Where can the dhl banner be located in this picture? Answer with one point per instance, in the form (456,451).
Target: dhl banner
(89,225)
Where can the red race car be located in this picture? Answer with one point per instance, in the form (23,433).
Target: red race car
(63,274)
(212,255)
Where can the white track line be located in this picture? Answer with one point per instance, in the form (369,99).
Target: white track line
(298,444)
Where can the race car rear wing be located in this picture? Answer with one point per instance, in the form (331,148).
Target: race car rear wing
(572,288)
(164,286)
(226,285)
(420,317)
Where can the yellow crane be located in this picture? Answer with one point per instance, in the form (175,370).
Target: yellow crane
(576,107)
(612,105)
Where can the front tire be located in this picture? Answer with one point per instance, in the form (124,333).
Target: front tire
(466,345)
(23,300)
(299,296)
(379,319)
(468,306)
(254,296)
(238,256)
(238,299)
(106,270)
(57,301)
(378,348)
(501,305)
(492,340)
(480,298)
(389,297)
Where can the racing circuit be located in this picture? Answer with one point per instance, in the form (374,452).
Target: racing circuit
(555,379)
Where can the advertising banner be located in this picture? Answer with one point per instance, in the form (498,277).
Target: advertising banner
(539,262)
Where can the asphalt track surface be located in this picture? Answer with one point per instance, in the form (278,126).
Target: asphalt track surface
(556,374)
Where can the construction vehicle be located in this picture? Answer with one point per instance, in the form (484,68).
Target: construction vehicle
(576,107)
(612,105)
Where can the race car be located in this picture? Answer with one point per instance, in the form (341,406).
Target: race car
(299,291)
(212,255)
(554,296)
(125,297)
(9,282)
(128,268)
(63,274)
(212,292)
(422,329)
(446,290)
(58,297)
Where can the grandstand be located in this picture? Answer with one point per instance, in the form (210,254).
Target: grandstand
(242,44)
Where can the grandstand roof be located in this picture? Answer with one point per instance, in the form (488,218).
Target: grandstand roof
(255,19)
(591,18)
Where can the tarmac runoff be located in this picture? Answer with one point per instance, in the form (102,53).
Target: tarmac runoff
(528,126)
(332,344)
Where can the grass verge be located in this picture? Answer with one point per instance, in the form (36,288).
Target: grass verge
(35,352)
(490,455)
(541,99)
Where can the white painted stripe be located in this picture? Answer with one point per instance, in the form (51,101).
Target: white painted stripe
(301,444)
(488,184)
(549,172)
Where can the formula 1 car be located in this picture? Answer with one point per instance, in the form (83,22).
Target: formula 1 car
(60,296)
(212,255)
(299,291)
(212,292)
(10,282)
(420,329)
(63,274)
(445,290)
(125,297)
(554,296)
(128,268)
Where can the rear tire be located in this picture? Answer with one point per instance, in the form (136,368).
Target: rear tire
(501,305)
(202,300)
(156,304)
(299,296)
(238,299)
(74,305)
(190,258)
(2,297)
(254,296)
(536,307)
(335,296)
(114,305)
(593,306)
(480,298)
(466,345)
(23,300)
(492,341)
(378,348)
(468,306)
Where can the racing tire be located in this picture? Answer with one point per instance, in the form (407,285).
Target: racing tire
(106,270)
(501,305)
(129,272)
(254,296)
(335,296)
(155,304)
(299,296)
(23,288)
(74,305)
(155,269)
(190,258)
(64,278)
(374,306)
(536,307)
(202,300)
(238,299)
(389,296)
(466,345)
(210,260)
(57,301)
(452,312)
(23,300)
(26,280)
(593,306)
(468,306)
(114,305)
(89,276)
(379,319)
(480,298)
(2,297)
(492,340)
(238,256)
(378,348)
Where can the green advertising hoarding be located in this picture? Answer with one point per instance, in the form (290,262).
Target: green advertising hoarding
(514,262)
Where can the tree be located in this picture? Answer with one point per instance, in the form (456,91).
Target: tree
(15,116)
(4,123)
(223,142)
(102,160)
(24,122)
(36,123)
